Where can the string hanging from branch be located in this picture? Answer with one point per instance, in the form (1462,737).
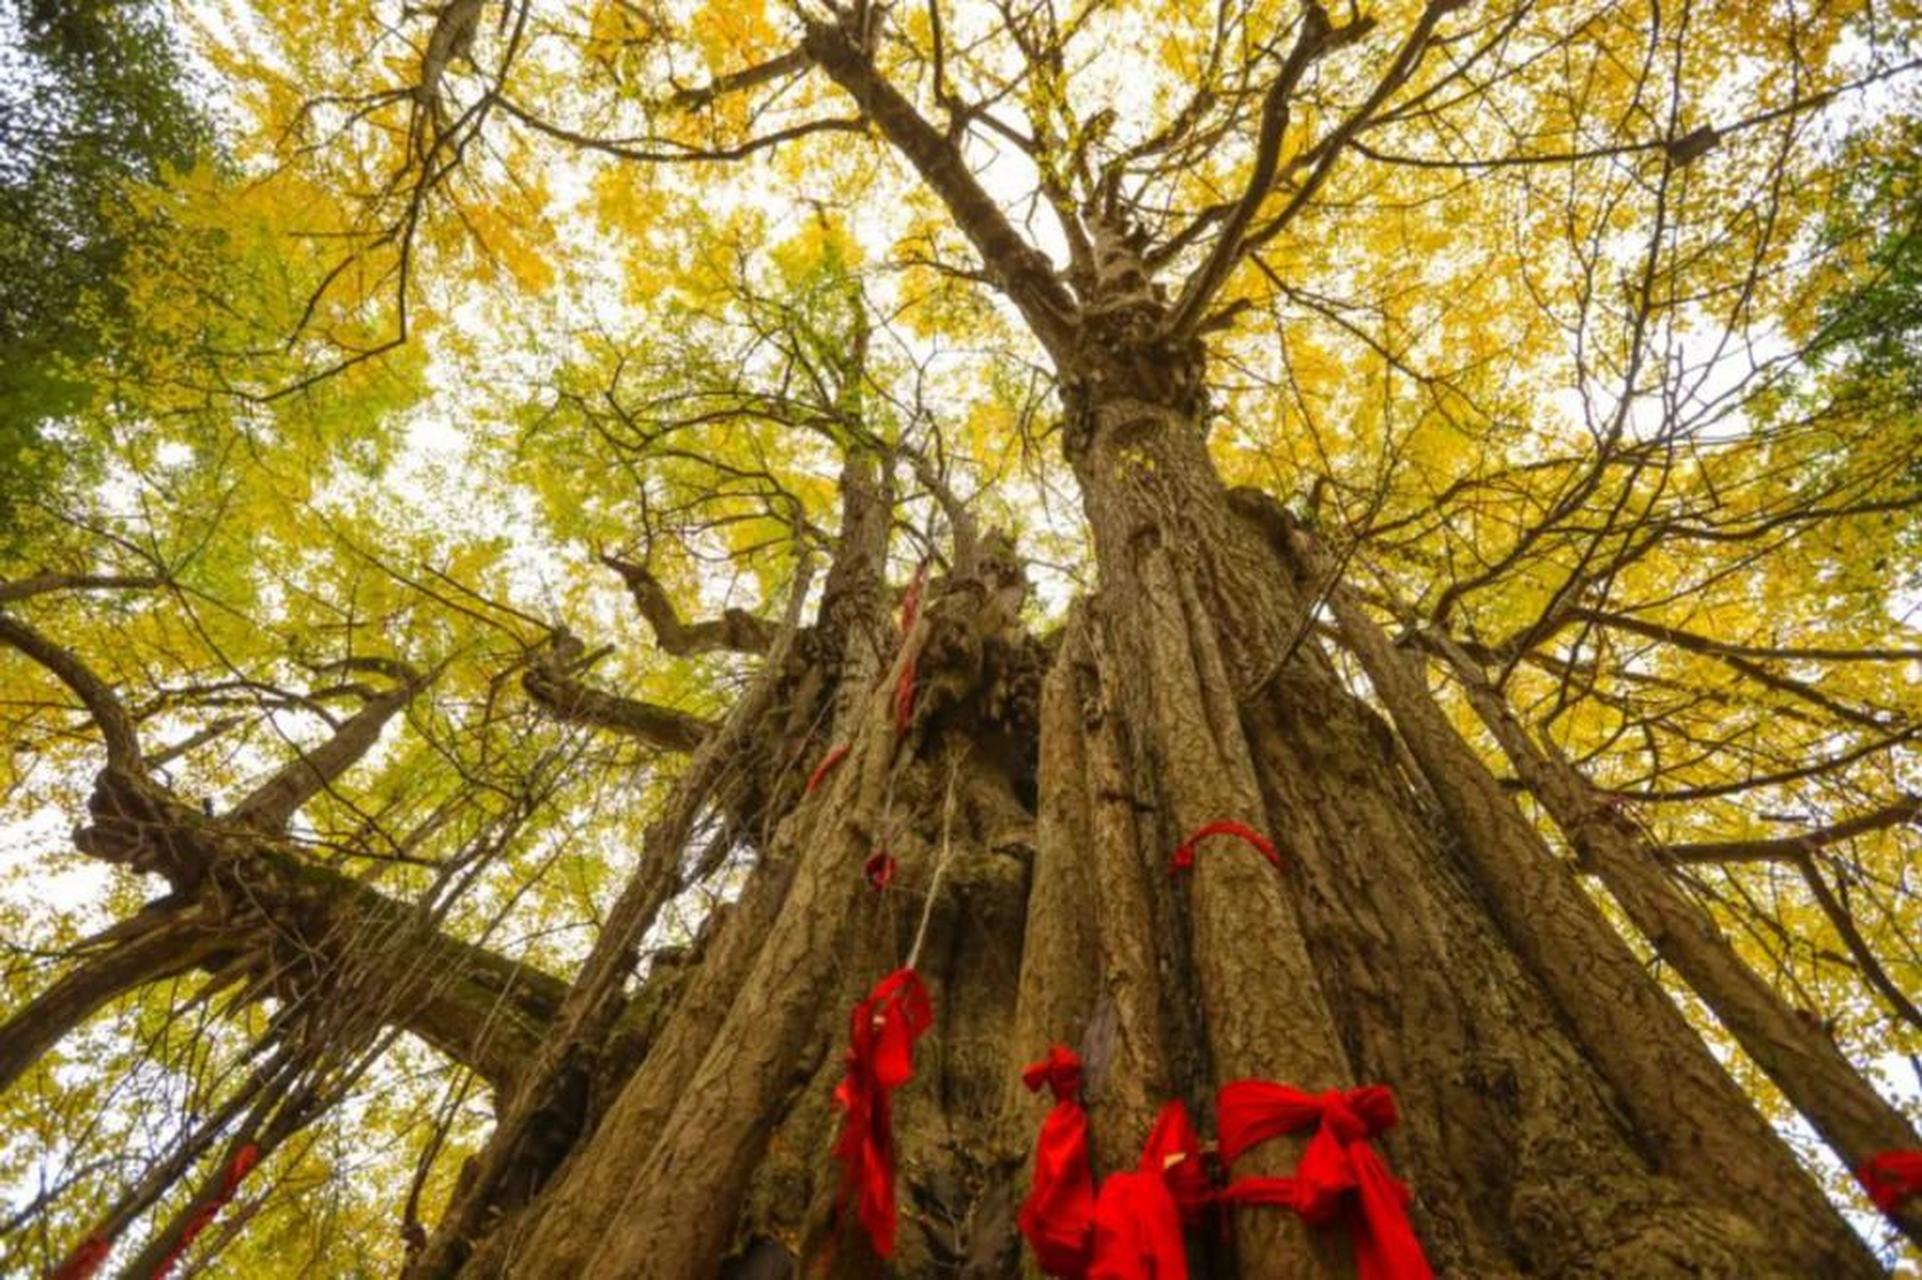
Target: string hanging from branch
(1340,1174)
(1184,858)
(1057,1218)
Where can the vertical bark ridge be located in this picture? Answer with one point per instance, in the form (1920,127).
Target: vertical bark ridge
(1694,1120)
(1809,1068)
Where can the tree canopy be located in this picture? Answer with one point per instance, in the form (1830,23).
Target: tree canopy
(370,370)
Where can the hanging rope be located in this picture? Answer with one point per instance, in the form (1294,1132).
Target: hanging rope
(1340,1175)
(1184,858)
(1057,1218)
(1891,1177)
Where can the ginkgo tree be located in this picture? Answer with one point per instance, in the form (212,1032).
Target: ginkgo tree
(1221,546)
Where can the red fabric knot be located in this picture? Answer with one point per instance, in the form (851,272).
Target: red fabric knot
(1057,1218)
(1339,1175)
(835,756)
(879,869)
(1139,1216)
(1060,1071)
(1184,858)
(86,1259)
(1890,1177)
(880,1059)
(202,1217)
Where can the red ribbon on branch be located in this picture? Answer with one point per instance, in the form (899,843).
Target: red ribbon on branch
(1890,1177)
(1139,1215)
(879,869)
(85,1259)
(202,1217)
(1339,1175)
(821,771)
(1057,1218)
(880,1059)
(1184,858)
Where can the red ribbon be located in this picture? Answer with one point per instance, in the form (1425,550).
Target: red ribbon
(1058,1216)
(879,869)
(1890,1177)
(202,1217)
(911,598)
(85,1259)
(1184,857)
(904,697)
(1339,1174)
(880,1059)
(1139,1215)
(821,771)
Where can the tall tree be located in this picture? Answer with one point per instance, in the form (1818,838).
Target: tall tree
(1252,543)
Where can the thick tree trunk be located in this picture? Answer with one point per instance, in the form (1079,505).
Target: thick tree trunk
(1559,1116)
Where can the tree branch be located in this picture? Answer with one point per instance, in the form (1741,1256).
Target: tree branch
(116,726)
(575,701)
(1792,848)
(1022,271)
(736,629)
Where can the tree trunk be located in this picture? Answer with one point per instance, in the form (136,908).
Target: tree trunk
(1558,1116)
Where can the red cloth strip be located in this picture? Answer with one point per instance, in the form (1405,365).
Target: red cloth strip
(1340,1174)
(911,598)
(85,1259)
(201,1218)
(1890,1177)
(821,771)
(904,698)
(1185,853)
(1057,1218)
(880,1059)
(1139,1216)
(879,869)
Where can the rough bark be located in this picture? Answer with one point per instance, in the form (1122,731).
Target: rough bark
(1791,1048)
(1689,1114)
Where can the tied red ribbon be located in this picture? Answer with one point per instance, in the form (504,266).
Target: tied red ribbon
(85,1259)
(1139,1216)
(202,1217)
(1339,1174)
(1890,1177)
(1184,858)
(880,1059)
(821,771)
(1057,1218)
(879,869)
